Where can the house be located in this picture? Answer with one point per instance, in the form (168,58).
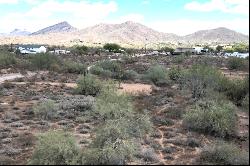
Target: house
(200,50)
(179,51)
(31,49)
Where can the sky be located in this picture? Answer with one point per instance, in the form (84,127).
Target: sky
(181,17)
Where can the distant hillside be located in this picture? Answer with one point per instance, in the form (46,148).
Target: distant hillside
(220,35)
(19,32)
(57,28)
(128,32)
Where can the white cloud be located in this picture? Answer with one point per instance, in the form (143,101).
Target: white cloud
(79,14)
(188,26)
(9,1)
(226,6)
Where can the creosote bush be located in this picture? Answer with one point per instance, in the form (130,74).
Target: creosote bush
(212,117)
(222,153)
(199,79)
(7,59)
(55,148)
(46,110)
(73,67)
(235,63)
(88,85)
(45,61)
(156,74)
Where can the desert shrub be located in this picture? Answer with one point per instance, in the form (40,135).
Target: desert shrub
(110,105)
(179,59)
(46,110)
(79,50)
(199,79)
(175,74)
(245,103)
(73,67)
(224,154)
(236,90)
(112,47)
(114,143)
(76,103)
(112,66)
(174,112)
(88,85)
(130,75)
(235,63)
(156,74)
(7,59)
(108,69)
(97,70)
(149,155)
(55,148)
(211,117)
(45,61)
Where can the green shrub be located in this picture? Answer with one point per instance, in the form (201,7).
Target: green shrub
(245,103)
(199,79)
(130,75)
(156,73)
(88,85)
(114,143)
(79,49)
(7,59)
(73,67)
(179,59)
(175,74)
(237,89)
(235,63)
(44,61)
(96,70)
(110,105)
(112,47)
(55,148)
(212,117)
(112,66)
(222,153)
(46,110)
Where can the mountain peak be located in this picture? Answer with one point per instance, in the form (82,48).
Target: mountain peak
(57,28)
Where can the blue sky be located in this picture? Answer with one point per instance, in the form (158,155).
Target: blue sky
(173,16)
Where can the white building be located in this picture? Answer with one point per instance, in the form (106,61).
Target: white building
(200,50)
(32,49)
(237,54)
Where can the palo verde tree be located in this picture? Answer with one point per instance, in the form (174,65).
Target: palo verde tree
(112,47)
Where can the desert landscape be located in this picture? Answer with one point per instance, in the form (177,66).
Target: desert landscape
(47,97)
(124,82)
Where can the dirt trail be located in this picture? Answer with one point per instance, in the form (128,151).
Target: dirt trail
(243,129)
(135,89)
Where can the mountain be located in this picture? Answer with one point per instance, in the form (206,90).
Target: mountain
(19,32)
(128,32)
(57,28)
(220,35)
